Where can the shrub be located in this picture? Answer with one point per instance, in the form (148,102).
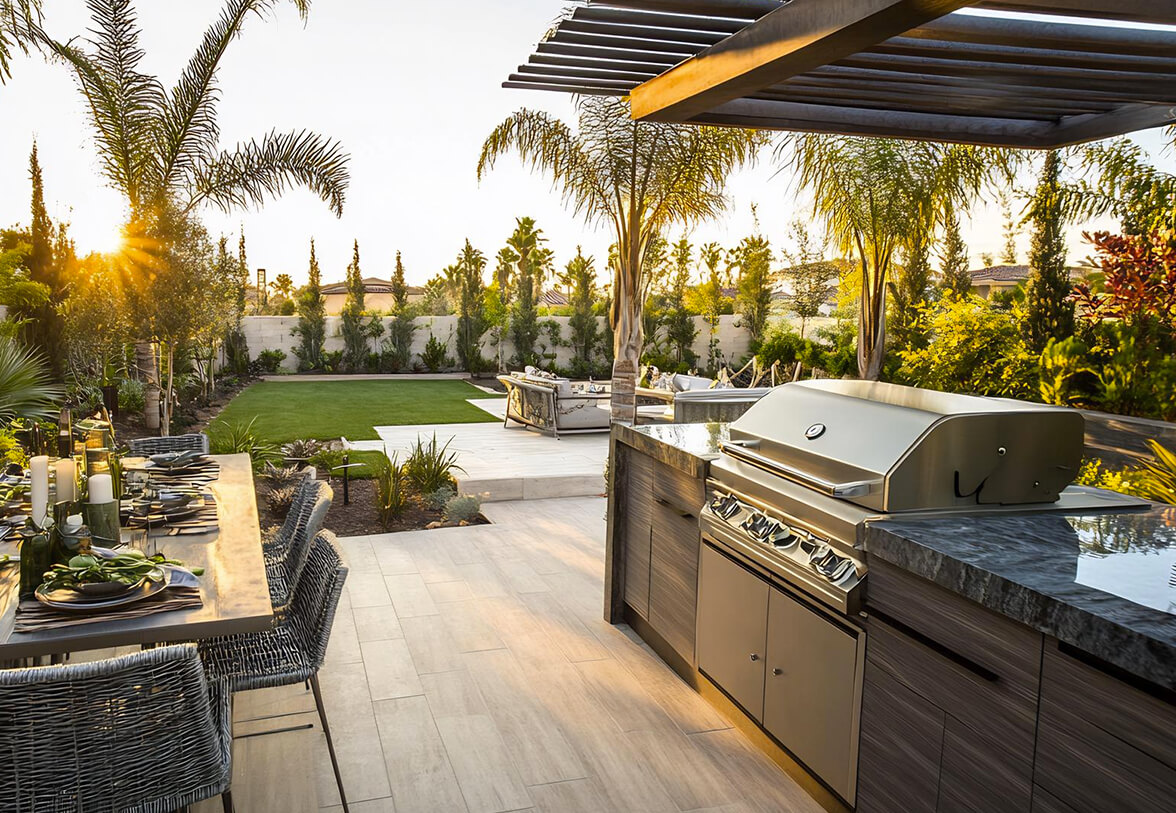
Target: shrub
(1155,480)
(326,460)
(270,361)
(435,357)
(241,438)
(429,467)
(391,489)
(438,499)
(301,451)
(281,476)
(463,508)
(279,499)
(332,361)
(130,396)
(972,348)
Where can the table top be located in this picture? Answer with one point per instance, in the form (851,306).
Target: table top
(234,587)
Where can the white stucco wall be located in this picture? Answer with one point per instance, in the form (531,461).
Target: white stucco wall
(277,333)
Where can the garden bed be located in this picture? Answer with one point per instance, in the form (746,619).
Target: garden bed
(360,518)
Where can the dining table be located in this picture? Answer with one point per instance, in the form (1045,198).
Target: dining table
(234,590)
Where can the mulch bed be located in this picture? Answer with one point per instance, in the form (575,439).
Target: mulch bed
(360,517)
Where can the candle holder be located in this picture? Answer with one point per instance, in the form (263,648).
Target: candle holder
(103,521)
(97,460)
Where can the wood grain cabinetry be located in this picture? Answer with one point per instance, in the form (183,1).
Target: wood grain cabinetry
(1103,744)
(967,679)
(638,525)
(659,538)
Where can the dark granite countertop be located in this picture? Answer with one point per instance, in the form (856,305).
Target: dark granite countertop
(686,446)
(1102,582)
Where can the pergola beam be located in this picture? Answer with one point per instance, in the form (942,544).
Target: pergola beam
(791,40)
(740,9)
(620,16)
(1045,36)
(617,54)
(1004,54)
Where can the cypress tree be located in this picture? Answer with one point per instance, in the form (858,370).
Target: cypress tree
(355,339)
(680,330)
(44,326)
(243,278)
(312,318)
(955,277)
(399,286)
(1049,313)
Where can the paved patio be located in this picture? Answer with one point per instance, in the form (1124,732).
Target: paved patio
(510,463)
(470,670)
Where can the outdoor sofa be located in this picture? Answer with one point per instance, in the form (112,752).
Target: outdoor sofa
(554,404)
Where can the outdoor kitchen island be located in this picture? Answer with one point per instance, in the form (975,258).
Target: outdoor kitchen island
(998,660)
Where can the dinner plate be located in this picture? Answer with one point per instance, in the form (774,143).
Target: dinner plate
(65,599)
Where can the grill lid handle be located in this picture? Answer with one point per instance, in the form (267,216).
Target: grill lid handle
(857,488)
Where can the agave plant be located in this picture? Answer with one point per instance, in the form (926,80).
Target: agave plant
(430,467)
(26,390)
(1157,479)
(242,438)
(391,489)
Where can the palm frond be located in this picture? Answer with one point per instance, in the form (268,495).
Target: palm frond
(189,130)
(20,27)
(26,390)
(255,171)
(125,105)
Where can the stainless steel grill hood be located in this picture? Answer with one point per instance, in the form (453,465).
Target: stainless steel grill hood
(893,448)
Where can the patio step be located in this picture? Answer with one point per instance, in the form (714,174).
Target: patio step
(537,487)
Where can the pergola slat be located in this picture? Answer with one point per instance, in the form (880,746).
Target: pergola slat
(900,68)
(619,54)
(1136,11)
(620,16)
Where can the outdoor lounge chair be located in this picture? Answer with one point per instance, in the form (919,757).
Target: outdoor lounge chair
(553,404)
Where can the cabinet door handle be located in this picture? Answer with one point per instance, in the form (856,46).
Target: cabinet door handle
(754,657)
(777,671)
(667,504)
(936,647)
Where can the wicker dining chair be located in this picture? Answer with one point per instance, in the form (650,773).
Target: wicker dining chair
(293,650)
(274,544)
(141,733)
(283,566)
(196,442)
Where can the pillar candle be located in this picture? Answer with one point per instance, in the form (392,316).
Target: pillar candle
(39,488)
(67,484)
(101,489)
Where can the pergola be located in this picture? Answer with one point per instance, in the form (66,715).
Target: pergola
(919,69)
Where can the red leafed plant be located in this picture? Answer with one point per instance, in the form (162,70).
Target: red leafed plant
(1139,279)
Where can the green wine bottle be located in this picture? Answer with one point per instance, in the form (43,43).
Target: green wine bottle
(34,561)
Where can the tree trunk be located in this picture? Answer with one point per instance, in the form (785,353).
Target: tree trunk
(627,342)
(149,370)
(871,350)
(169,393)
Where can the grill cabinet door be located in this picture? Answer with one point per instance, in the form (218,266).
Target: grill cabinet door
(809,696)
(732,629)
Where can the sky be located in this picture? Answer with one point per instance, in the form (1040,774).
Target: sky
(411,89)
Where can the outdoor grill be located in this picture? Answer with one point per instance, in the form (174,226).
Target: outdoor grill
(804,467)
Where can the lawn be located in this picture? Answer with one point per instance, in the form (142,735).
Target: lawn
(291,410)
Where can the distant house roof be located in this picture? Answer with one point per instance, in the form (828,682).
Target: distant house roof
(371,285)
(1013,273)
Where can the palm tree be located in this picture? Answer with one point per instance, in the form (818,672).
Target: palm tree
(19,28)
(639,179)
(160,148)
(877,195)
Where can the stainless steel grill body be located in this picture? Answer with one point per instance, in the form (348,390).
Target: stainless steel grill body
(893,448)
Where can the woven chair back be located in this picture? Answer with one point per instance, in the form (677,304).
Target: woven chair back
(140,732)
(196,442)
(316,597)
